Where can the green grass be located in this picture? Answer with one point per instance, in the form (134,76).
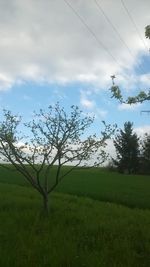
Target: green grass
(79,232)
(92,222)
(100,184)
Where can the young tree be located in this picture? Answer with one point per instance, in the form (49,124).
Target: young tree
(127,149)
(55,139)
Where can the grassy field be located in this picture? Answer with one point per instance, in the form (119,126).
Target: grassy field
(100,184)
(81,230)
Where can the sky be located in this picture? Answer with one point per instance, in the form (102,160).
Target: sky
(66,50)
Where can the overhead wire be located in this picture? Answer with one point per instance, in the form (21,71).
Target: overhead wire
(133,22)
(115,30)
(101,45)
(91,31)
(112,25)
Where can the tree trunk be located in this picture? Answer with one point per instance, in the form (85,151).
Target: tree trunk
(45,205)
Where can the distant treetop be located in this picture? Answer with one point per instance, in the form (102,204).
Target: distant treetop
(147,31)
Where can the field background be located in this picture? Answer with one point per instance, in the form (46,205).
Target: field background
(97,218)
(97,183)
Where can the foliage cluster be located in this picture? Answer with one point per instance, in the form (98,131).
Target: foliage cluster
(133,154)
(141,97)
(145,155)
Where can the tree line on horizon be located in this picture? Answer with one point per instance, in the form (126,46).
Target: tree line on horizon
(132,152)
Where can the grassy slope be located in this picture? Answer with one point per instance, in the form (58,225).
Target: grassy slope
(80,232)
(129,190)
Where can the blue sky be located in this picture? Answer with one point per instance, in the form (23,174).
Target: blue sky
(48,54)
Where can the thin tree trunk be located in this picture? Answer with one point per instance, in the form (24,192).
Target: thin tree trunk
(45,205)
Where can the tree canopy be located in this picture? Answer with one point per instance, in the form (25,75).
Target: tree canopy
(55,139)
(145,154)
(127,149)
(147,31)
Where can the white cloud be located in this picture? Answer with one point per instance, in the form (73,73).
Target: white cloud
(85,99)
(128,107)
(101,112)
(26,97)
(87,103)
(46,41)
(110,148)
(135,82)
(142,130)
(6,82)
(145,79)
(91,105)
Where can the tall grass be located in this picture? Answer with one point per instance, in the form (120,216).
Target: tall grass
(98,183)
(79,232)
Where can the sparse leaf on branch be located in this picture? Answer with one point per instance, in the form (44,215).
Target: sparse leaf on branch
(56,139)
(147,31)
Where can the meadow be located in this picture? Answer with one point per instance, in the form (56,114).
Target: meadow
(97,218)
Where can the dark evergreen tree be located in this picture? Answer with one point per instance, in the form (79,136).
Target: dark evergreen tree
(127,150)
(145,155)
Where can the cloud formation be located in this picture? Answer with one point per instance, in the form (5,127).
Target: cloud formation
(125,106)
(44,41)
(142,130)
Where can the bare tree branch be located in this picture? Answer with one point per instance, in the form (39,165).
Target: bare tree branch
(56,139)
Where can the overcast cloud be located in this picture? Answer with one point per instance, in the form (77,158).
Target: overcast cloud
(44,41)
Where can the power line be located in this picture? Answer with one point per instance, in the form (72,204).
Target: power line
(101,45)
(133,22)
(94,35)
(115,29)
(91,31)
